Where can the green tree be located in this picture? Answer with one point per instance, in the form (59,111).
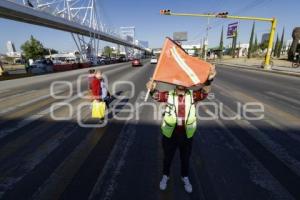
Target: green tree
(221,45)
(250,50)
(33,49)
(255,46)
(264,45)
(276,46)
(48,51)
(280,45)
(107,51)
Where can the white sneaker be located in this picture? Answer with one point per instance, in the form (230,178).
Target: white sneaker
(163,182)
(187,185)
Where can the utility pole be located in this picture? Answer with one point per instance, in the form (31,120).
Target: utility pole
(206,40)
(201,54)
(225,15)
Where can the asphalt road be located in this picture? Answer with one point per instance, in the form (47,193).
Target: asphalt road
(238,153)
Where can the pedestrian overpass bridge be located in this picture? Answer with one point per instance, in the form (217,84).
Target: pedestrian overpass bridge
(19,12)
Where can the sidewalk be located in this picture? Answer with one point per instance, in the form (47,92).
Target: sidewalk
(280,66)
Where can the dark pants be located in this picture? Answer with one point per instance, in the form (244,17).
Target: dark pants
(178,140)
(107,101)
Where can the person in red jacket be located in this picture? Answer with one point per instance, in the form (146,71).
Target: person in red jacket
(96,86)
(90,78)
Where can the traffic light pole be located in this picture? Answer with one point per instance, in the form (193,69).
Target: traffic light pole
(206,40)
(226,16)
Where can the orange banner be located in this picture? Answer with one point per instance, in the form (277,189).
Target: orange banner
(176,67)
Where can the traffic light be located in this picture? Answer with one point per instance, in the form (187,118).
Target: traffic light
(165,12)
(222,14)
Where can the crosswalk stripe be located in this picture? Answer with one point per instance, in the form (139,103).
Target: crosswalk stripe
(30,119)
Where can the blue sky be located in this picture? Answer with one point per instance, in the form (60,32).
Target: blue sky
(151,26)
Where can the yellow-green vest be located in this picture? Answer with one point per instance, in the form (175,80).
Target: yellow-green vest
(171,113)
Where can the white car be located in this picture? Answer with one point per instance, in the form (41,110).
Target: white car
(153,60)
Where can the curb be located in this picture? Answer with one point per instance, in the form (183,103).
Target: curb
(258,69)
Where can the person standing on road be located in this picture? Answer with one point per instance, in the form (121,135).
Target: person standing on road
(99,88)
(105,93)
(179,125)
(90,78)
(96,86)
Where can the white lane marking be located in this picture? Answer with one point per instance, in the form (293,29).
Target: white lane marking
(257,172)
(46,149)
(36,158)
(34,117)
(42,113)
(272,111)
(191,74)
(116,159)
(42,151)
(276,149)
(16,95)
(50,185)
(285,98)
(10,109)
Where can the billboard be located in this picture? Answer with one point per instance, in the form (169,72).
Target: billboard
(180,36)
(232,29)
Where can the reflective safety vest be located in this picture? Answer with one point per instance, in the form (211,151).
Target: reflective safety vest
(171,112)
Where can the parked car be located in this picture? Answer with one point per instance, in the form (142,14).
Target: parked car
(121,59)
(153,60)
(103,60)
(136,62)
(113,60)
(41,67)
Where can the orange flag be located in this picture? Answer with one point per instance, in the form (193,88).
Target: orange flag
(176,67)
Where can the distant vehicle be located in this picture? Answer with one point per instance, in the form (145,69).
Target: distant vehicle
(136,62)
(121,59)
(130,58)
(41,67)
(153,60)
(103,60)
(113,60)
